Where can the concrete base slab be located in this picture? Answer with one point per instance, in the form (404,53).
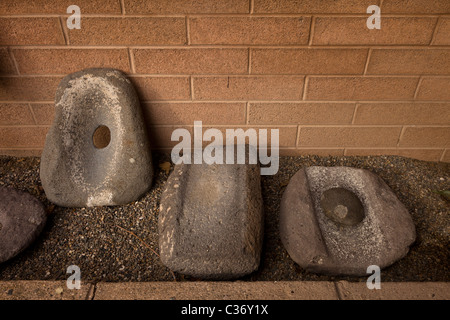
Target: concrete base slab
(238,290)
(394,291)
(285,290)
(43,290)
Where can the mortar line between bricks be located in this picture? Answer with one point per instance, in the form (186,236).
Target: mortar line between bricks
(433,35)
(441,158)
(366,66)
(297,138)
(191,87)
(417,88)
(354,113)
(305,86)
(249,69)
(188,31)
(251,9)
(244,74)
(131,60)
(400,136)
(228,46)
(64,31)
(229,15)
(394,148)
(122,6)
(13,60)
(338,292)
(260,101)
(311,31)
(285,101)
(247,113)
(32,113)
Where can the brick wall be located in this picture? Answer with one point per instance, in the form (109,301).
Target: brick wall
(310,68)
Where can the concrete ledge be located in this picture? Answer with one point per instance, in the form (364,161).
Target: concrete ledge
(43,290)
(286,290)
(394,291)
(239,290)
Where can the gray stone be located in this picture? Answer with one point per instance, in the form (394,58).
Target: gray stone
(22,218)
(211,220)
(96,152)
(324,230)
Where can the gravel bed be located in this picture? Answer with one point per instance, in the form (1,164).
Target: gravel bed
(121,243)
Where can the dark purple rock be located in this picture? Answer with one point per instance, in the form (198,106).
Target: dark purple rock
(22,218)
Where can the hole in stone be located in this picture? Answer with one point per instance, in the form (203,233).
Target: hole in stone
(342,206)
(101,137)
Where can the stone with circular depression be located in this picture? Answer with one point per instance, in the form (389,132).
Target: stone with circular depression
(342,206)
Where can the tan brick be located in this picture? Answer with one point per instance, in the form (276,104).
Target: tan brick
(43,113)
(187,113)
(442,33)
(353,31)
(446,156)
(349,136)
(25,137)
(287,135)
(28,88)
(30,31)
(403,113)
(416,6)
(248,88)
(183,6)
(308,61)
(130,31)
(253,30)
(6,64)
(160,136)
(311,151)
(434,89)
(409,61)
(421,154)
(427,137)
(312,6)
(301,113)
(191,61)
(10,7)
(361,88)
(15,114)
(162,88)
(64,61)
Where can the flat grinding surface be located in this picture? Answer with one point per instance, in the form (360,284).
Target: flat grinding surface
(211,220)
(320,244)
(99,241)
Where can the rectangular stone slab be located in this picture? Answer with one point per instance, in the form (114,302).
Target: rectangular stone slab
(211,220)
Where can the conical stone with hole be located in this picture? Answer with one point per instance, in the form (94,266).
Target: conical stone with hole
(96,152)
(211,220)
(341,220)
(22,218)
